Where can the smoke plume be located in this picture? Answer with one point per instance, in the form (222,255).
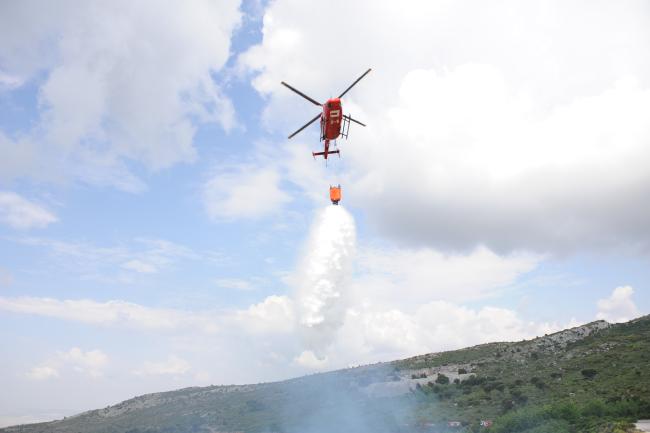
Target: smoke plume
(322,279)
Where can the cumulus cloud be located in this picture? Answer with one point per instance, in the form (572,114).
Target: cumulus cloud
(20,213)
(491,172)
(619,307)
(371,329)
(422,274)
(398,302)
(243,192)
(433,326)
(309,360)
(273,315)
(373,333)
(369,332)
(123,82)
(91,363)
(173,365)
(482,131)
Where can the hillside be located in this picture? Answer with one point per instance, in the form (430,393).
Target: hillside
(582,379)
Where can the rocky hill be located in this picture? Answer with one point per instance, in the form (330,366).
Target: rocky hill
(594,377)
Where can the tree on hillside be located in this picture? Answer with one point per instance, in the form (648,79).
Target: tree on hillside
(589,373)
(442,379)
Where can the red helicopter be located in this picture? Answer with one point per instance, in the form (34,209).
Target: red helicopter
(332,120)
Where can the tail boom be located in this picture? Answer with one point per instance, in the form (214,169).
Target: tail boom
(325,154)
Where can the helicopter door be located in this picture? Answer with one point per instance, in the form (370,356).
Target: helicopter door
(334,116)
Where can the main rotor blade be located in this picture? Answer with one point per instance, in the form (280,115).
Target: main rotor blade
(306,125)
(303,95)
(354,120)
(352,85)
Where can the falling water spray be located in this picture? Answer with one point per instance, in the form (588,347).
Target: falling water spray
(323,279)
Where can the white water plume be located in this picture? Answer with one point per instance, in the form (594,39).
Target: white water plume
(321,299)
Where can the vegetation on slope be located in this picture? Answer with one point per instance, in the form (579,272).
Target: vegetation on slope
(581,385)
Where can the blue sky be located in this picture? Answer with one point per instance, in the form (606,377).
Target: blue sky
(154,219)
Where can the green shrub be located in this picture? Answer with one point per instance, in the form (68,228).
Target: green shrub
(565,411)
(594,408)
(442,379)
(520,420)
(589,373)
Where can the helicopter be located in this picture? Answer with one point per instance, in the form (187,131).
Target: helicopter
(333,123)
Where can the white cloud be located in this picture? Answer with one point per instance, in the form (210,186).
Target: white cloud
(268,332)
(112,313)
(275,314)
(307,359)
(246,191)
(404,302)
(373,333)
(42,373)
(91,363)
(20,213)
(484,127)
(619,307)
(173,365)
(123,82)
(494,172)
(420,275)
(400,302)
